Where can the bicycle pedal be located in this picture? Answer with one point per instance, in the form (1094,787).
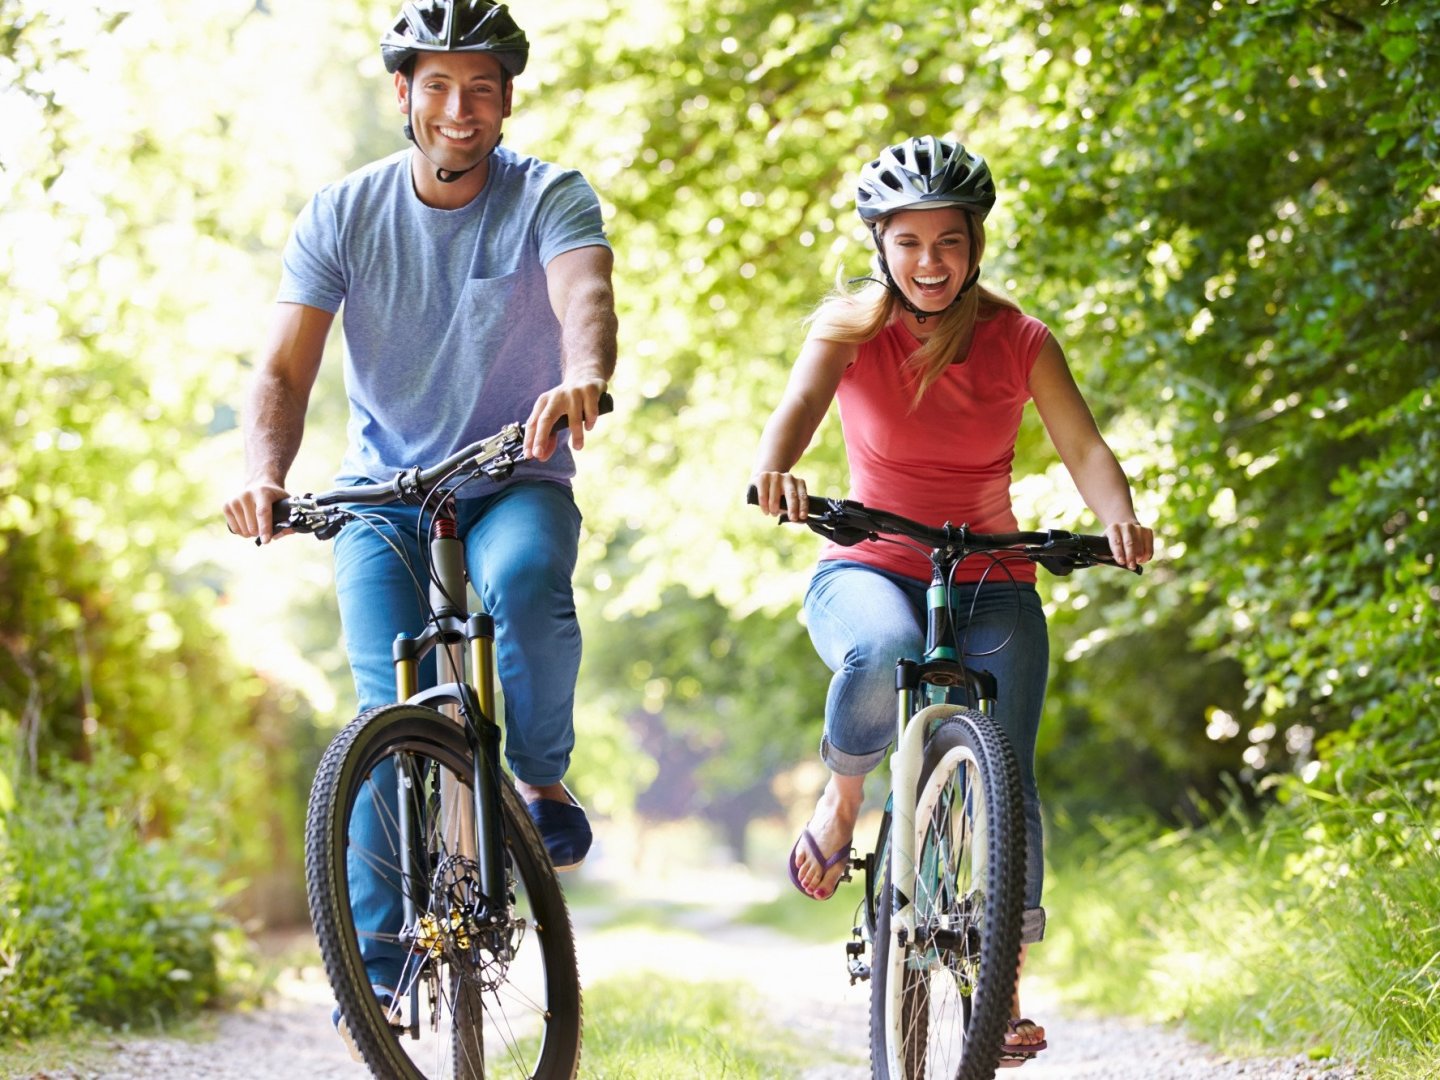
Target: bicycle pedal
(858,969)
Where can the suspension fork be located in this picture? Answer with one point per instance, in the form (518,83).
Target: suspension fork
(920,691)
(486,782)
(477,829)
(471,826)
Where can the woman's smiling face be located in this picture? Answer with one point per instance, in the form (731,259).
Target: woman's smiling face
(928,252)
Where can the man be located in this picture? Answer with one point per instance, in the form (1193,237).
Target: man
(476,290)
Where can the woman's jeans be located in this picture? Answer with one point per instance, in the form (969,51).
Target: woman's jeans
(863,619)
(520,549)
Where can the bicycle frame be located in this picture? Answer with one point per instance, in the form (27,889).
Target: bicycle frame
(923,688)
(472,874)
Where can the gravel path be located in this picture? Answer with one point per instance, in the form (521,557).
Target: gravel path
(803,989)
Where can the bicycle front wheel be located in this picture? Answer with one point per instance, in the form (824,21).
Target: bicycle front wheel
(472,992)
(945,959)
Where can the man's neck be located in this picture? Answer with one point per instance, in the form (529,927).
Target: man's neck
(433,192)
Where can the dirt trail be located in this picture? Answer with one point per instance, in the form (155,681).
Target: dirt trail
(803,988)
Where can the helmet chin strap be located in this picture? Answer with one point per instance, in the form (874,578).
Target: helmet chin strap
(445,176)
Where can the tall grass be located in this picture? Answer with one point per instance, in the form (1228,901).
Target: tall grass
(1315,928)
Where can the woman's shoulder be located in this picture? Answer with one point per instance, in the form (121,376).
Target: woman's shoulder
(1008,328)
(1010,321)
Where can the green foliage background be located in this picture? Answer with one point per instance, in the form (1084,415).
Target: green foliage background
(1226,211)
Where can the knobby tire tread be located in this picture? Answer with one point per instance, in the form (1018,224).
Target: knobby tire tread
(331,796)
(1000,781)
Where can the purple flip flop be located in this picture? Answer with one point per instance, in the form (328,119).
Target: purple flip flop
(826,865)
(1013,1055)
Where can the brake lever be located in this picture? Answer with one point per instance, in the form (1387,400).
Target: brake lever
(502,453)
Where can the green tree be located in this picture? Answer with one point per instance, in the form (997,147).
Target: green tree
(131,274)
(1226,212)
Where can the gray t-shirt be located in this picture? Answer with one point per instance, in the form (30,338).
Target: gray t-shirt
(449,333)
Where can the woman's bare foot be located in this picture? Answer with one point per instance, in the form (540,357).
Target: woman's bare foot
(832,826)
(1022,1035)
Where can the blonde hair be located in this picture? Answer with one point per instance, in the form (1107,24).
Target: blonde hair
(855,316)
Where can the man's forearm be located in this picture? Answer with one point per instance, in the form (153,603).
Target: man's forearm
(274,426)
(588,335)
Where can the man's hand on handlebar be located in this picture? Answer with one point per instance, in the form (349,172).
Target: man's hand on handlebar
(576,403)
(249,513)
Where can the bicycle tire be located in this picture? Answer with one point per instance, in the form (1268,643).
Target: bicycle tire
(875,878)
(518,977)
(939,1003)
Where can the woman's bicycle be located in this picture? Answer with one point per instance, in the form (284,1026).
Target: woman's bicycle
(489,986)
(944,886)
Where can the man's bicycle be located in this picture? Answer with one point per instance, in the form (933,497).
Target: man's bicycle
(944,886)
(489,985)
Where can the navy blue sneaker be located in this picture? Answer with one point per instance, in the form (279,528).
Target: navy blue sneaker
(564,828)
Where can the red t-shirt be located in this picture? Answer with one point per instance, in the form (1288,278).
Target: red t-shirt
(949,460)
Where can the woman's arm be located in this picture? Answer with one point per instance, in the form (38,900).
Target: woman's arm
(807,397)
(1087,457)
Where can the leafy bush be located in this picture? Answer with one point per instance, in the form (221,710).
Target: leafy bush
(1311,929)
(98,921)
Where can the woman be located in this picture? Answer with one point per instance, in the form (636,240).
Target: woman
(932,372)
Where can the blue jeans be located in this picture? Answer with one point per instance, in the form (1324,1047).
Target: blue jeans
(863,619)
(520,550)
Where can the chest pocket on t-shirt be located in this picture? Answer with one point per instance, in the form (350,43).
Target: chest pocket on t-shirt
(487,312)
(493,292)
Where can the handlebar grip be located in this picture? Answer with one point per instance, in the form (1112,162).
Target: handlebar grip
(280,514)
(606,404)
(815,503)
(1098,548)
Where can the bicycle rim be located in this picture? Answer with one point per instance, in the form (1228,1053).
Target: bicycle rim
(477,993)
(941,998)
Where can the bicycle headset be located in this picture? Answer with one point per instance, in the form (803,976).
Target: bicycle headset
(923,173)
(451,26)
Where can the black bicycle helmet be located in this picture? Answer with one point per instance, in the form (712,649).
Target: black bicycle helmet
(924,172)
(455,26)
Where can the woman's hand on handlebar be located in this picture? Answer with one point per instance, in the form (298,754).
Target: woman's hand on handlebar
(1131,543)
(781,493)
(249,513)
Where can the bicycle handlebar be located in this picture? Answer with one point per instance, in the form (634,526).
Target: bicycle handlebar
(495,457)
(848,522)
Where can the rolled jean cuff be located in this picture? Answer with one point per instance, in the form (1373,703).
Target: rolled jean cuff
(845,764)
(1032,926)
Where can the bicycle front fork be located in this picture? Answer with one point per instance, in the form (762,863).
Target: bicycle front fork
(473,826)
